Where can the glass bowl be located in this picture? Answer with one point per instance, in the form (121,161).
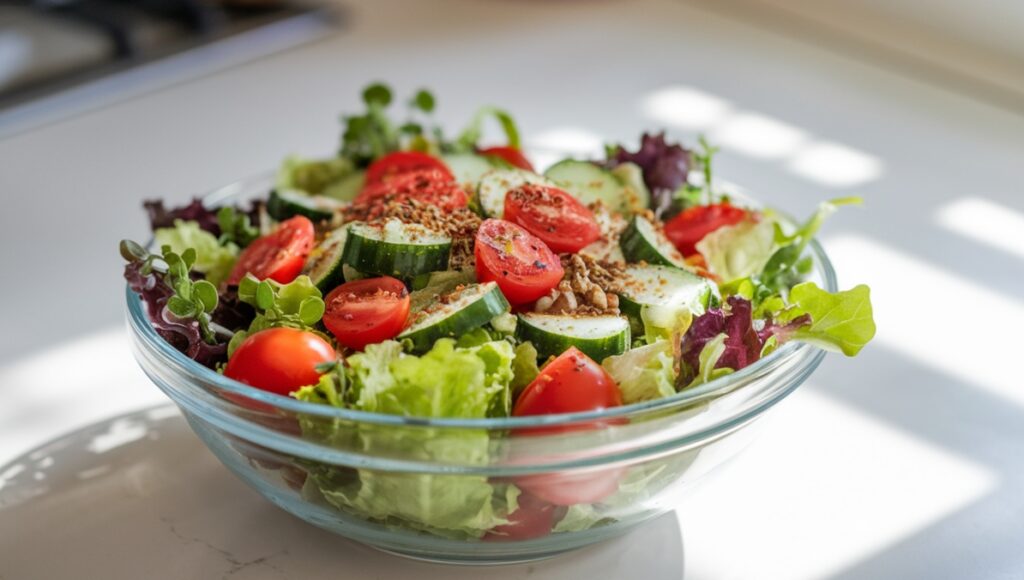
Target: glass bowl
(417,486)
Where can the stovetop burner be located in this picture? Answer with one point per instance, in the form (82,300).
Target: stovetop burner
(47,46)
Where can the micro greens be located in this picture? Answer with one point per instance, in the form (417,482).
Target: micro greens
(235,227)
(194,299)
(297,304)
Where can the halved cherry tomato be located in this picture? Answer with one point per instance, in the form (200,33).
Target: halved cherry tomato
(533,519)
(279,360)
(693,223)
(400,162)
(522,265)
(367,311)
(571,383)
(278,255)
(553,215)
(425,185)
(510,155)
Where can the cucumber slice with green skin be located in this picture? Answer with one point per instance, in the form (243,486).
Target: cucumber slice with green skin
(396,249)
(346,188)
(469,308)
(662,287)
(496,183)
(323,266)
(642,242)
(470,167)
(607,247)
(287,203)
(598,337)
(590,183)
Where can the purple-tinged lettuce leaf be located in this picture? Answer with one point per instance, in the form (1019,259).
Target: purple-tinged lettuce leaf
(665,167)
(161,217)
(182,334)
(742,344)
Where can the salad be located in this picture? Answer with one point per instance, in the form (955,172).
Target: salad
(424,275)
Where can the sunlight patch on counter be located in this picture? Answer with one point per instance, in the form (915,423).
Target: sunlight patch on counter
(985,221)
(835,165)
(831,486)
(914,303)
(685,107)
(759,136)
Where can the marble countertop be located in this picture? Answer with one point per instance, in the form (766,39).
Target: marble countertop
(902,463)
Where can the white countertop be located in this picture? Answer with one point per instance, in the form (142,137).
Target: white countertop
(903,463)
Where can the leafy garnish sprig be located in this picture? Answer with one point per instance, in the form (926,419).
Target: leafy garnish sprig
(298,304)
(235,227)
(373,134)
(192,299)
(699,194)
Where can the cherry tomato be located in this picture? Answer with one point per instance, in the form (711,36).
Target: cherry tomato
(367,311)
(511,155)
(278,255)
(692,224)
(427,185)
(554,216)
(522,265)
(279,360)
(400,162)
(571,383)
(533,519)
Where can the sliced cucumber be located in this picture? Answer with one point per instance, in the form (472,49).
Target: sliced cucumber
(287,203)
(470,167)
(469,308)
(396,249)
(607,248)
(590,183)
(323,265)
(661,287)
(597,336)
(642,242)
(496,183)
(346,188)
(637,197)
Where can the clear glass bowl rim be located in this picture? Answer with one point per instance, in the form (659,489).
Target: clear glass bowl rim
(138,322)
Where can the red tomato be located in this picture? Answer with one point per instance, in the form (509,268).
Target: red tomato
(571,383)
(566,488)
(427,186)
(533,519)
(523,266)
(367,311)
(400,162)
(279,360)
(278,255)
(690,226)
(511,155)
(554,216)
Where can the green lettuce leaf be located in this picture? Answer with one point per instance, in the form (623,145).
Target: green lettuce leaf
(524,367)
(312,176)
(665,322)
(444,382)
(643,373)
(841,322)
(212,259)
(447,381)
(739,251)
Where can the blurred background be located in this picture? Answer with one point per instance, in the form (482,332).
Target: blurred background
(905,463)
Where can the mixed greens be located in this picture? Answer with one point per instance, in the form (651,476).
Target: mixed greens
(419,275)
